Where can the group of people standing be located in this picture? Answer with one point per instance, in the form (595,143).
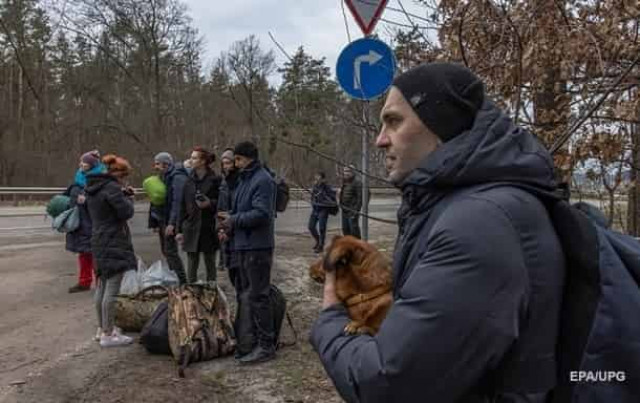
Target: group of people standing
(199,211)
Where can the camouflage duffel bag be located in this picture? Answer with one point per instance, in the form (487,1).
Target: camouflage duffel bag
(199,324)
(133,311)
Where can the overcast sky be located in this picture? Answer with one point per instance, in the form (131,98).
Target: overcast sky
(318,25)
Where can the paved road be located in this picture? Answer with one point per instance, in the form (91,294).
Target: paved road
(23,228)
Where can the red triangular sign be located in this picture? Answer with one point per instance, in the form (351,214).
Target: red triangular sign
(366,12)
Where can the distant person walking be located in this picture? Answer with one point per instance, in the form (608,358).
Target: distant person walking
(322,200)
(197,218)
(110,204)
(79,241)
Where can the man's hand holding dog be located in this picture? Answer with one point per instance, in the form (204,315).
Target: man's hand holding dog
(330,297)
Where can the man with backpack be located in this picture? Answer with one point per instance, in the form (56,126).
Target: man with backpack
(478,270)
(174,178)
(251,224)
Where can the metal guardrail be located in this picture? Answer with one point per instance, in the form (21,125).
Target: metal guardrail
(57,190)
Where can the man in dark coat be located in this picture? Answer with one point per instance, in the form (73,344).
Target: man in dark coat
(478,269)
(251,223)
(322,200)
(350,197)
(196,223)
(110,207)
(174,178)
(227,189)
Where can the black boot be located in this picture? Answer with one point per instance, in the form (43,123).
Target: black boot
(258,355)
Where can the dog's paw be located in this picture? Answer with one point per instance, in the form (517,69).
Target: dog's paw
(353,327)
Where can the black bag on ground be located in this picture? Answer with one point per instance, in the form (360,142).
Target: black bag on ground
(244,322)
(279,311)
(155,333)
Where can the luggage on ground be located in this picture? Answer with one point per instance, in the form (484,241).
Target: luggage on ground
(133,311)
(199,324)
(155,333)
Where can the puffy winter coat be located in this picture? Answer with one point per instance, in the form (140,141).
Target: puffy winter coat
(111,238)
(478,274)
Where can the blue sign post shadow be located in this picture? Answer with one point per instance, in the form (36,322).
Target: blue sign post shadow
(365,68)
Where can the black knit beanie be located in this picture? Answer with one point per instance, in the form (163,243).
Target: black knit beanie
(446,96)
(246,149)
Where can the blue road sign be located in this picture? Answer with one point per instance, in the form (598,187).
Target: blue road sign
(365,68)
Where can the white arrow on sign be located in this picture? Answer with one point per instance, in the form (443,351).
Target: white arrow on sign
(372,58)
(366,12)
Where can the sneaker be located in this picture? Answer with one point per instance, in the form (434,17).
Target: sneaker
(258,355)
(115,340)
(99,333)
(78,288)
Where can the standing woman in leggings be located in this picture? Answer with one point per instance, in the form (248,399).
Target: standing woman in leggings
(110,206)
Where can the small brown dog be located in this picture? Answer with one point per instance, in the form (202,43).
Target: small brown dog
(363,281)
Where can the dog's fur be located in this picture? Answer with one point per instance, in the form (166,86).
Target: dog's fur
(363,281)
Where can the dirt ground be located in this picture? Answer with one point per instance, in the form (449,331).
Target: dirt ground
(46,352)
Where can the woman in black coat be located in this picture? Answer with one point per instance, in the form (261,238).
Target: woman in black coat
(79,241)
(110,206)
(197,218)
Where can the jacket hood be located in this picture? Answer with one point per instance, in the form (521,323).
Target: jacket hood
(494,150)
(96,182)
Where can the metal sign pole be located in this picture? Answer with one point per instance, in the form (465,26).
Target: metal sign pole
(365,178)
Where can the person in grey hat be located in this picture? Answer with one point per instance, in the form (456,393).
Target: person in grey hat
(478,270)
(174,178)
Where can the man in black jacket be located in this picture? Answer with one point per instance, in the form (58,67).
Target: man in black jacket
(174,178)
(478,269)
(350,202)
(251,224)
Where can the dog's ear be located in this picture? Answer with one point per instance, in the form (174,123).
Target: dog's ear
(340,253)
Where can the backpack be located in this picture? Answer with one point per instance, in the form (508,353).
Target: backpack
(155,189)
(599,349)
(199,324)
(58,205)
(155,333)
(244,321)
(282,194)
(279,311)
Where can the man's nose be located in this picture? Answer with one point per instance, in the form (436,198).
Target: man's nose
(383,141)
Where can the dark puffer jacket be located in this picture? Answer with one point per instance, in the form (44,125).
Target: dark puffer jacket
(322,196)
(79,241)
(174,179)
(351,196)
(111,239)
(253,210)
(478,274)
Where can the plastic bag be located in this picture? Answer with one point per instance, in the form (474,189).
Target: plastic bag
(159,274)
(130,283)
(132,280)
